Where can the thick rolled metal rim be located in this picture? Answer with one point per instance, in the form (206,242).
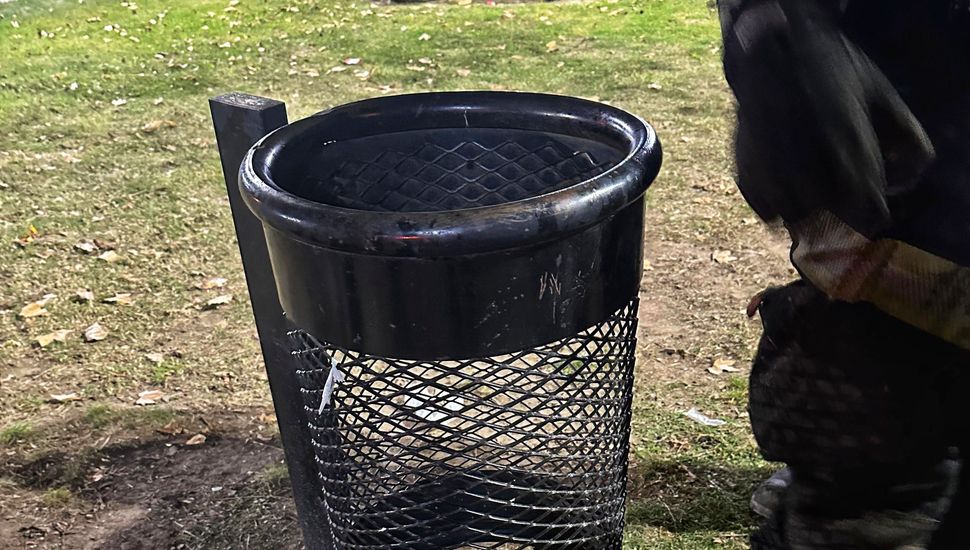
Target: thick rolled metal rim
(466,231)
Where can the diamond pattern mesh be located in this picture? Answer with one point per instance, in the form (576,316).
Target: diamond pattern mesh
(527,450)
(437,174)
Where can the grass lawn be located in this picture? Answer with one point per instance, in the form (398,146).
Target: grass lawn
(111,200)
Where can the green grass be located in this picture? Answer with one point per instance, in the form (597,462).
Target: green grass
(58,497)
(78,163)
(275,477)
(161,372)
(18,432)
(100,415)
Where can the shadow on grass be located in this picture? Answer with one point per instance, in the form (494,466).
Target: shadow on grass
(692,496)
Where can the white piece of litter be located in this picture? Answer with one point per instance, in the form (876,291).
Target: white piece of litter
(700,418)
(335,377)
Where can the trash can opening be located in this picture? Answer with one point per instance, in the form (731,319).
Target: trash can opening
(447,151)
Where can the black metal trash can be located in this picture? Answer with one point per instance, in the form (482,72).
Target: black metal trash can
(461,273)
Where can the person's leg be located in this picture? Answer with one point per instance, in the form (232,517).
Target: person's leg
(954,533)
(850,400)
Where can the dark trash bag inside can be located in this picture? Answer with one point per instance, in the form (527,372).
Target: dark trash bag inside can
(462,273)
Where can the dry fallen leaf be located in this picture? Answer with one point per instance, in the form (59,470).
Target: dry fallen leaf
(28,236)
(723,256)
(33,309)
(338,69)
(123,299)
(218,301)
(65,397)
(722,365)
(86,246)
(654,86)
(362,74)
(149,397)
(463,72)
(552,46)
(45,340)
(84,296)
(424,37)
(156,125)
(95,333)
(212,282)
(155,357)
(171,429)
(197,439)
(352,61)
(425,61)
(110,256)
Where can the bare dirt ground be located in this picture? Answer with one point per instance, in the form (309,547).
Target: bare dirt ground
(155,491)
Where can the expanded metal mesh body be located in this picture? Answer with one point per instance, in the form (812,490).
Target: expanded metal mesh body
(525,450)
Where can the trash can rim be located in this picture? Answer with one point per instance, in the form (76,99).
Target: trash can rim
(428,234)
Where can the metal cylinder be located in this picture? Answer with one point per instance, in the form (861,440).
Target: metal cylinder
(461,274)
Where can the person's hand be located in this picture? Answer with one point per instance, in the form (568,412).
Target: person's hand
(820,127)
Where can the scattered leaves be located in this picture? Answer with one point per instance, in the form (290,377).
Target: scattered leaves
(171,429)
(212,282)
(95,333)
(34,309)
(723,256)
(197,439)
(463,72)
(722,365)
(157,125)
(83,296)
(110,256)
(552,46)
(123,299)
(65,397)
(155,357)
(149,397)
(28,236)
(45,340)
(218,301)
(338,69)
(87,247)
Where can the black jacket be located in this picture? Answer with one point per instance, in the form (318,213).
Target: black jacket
(857,107)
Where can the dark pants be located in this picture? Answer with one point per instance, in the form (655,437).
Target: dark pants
(866,411)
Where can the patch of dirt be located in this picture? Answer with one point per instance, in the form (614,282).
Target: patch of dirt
(157,495)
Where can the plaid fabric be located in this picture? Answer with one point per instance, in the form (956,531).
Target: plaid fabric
(914,286)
